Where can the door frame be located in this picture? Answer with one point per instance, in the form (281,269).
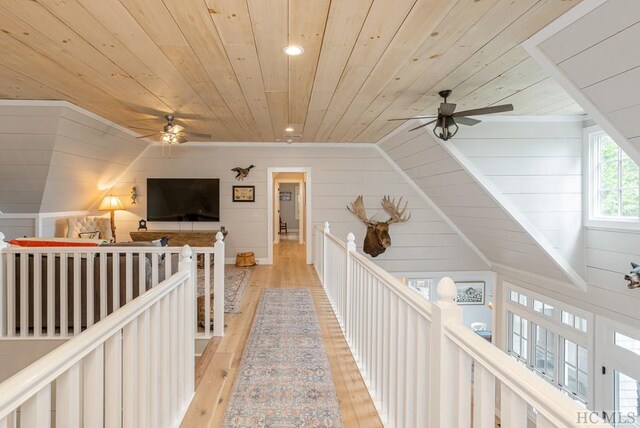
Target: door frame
(271,171)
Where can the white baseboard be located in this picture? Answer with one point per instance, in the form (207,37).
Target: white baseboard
(232,261)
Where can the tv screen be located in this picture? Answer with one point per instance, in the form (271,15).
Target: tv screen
(183,199)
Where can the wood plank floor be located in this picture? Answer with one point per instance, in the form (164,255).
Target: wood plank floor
(217,368)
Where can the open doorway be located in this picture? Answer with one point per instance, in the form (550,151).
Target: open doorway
(288,206)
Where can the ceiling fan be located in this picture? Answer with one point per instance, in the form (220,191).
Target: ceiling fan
(448,119)
(174,134)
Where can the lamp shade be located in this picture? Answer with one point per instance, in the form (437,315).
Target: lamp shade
(111,203)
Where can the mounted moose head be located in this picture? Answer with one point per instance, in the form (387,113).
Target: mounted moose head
(378,239)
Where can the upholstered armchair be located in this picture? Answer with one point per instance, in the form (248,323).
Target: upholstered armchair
(78,225)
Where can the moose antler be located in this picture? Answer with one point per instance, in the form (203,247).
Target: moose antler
(397,214)
(357,208)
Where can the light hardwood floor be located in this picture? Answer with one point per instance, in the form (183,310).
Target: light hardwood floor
(217,368)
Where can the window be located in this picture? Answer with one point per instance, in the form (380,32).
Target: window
(544,363)
(615,181)
(519,337)
(574,321)
(518,298)
(543,308)
(576,378)
(627,342)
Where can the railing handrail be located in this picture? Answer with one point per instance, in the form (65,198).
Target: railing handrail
(418,303)
(422,306)
(101,249)
(554,405)
(20,387)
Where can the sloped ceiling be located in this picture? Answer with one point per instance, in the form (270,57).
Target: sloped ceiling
(57,158)
(594,54)
(219,66)
(476,206)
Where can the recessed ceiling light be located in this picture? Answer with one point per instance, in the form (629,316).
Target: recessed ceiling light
(293,50)
(289,129)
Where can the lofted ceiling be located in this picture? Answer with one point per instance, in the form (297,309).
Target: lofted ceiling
(219,66)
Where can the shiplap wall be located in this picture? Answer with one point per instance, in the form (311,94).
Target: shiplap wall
(56,158)
(599,55)
(538,166)
(338,174)
(472,208)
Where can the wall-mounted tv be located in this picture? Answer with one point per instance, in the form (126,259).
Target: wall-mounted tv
(183,199)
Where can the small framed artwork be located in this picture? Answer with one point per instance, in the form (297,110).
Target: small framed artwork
(285,196)
(470,292)
(244,193)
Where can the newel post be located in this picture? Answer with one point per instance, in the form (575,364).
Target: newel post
(325,253)
(3,311)
(443,355)
(218,286)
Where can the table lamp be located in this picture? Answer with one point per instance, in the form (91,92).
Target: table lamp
(112,203)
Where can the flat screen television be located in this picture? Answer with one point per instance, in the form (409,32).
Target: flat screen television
(183,199)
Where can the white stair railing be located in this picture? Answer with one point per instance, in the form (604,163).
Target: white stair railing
(135,368)
(56,292)
(422,366)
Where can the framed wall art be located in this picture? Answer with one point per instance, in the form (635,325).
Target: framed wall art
(470,292)
(244,193)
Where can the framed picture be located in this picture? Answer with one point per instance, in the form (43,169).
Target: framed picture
(285,196)
(244,193)
(470,292)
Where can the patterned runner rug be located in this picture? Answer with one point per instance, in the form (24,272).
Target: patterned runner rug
(284,379)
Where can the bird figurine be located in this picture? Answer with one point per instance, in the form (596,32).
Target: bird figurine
(242,173)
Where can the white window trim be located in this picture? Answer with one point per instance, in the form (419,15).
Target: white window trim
(589,200)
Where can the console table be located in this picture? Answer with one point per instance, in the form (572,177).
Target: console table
(178,238)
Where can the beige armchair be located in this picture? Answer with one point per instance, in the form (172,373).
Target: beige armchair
(77,225)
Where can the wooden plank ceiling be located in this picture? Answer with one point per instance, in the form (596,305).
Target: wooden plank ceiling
(219,66)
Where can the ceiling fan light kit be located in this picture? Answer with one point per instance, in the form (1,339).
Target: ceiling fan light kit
(447,120)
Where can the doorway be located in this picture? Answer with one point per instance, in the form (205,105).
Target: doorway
(289,220)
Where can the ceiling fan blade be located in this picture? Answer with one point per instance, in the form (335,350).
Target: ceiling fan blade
(181,140)
(414,117)
(467,121)
(485,110)
(150,135)
(447,109)
(423,125)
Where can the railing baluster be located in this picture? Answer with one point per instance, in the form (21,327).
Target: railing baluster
(422,373)
(37,295)
(143,375)
(36,412)
(484,398)
(174,340)
(103,285)
(11,295)
(410,357)
(77,298)
(129,372)
(116,287)
(90,290)
(113,382)
(464,390)
(386,351)
(51,300)
(207,294)
(3,284)
(154,364)
(68,393)
(129,278)
(142,273)
(163,415)
(154,269)
(93,390)
(64,313)
(513,409)
(24,295)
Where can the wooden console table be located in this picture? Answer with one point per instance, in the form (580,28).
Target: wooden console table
(178,238)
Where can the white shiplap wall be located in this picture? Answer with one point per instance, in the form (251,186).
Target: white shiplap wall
(499,231)
(538,166)
(55,157)
(338,174)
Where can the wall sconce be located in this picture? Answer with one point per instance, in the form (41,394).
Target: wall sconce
(134,195)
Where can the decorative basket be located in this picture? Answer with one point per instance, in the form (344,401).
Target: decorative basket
(245,259)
